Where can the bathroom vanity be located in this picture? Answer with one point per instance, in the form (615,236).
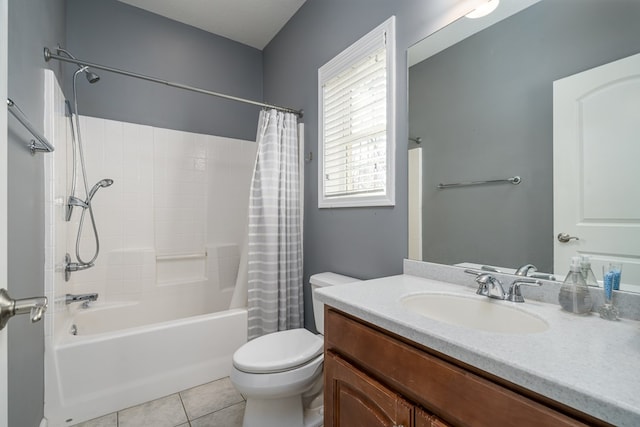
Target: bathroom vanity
(374,378)
(386,366)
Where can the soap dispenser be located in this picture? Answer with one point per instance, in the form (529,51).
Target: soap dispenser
(587,272)
(574,294)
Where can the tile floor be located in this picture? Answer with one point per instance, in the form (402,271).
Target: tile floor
(215,404)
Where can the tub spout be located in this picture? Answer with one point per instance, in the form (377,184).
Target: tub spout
(84,298)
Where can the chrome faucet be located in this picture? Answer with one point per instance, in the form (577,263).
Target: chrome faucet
(70,267)
(524,269)
(514,290)
(545,276)
(491,287)
(84,298)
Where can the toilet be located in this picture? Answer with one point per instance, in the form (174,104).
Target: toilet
(280,374)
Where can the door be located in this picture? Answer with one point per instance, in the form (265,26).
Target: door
(596,152)
(353,399)
(3,204)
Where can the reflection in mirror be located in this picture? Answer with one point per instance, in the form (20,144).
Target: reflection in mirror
(483,110)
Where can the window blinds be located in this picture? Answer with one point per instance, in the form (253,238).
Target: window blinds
(356,109)
(355,116)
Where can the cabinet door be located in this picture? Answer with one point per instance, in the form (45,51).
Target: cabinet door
(424,419)
(353,399)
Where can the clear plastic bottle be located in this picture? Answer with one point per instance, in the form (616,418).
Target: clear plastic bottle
(587,272)
(574,294)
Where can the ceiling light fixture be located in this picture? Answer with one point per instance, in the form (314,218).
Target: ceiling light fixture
(484,9)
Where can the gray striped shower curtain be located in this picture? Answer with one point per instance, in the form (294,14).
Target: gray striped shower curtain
(275,300)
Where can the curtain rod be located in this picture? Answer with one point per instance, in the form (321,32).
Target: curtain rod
(49,56)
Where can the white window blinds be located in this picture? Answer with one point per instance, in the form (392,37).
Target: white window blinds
(356,123)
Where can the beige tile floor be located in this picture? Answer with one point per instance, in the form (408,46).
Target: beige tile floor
(215,404)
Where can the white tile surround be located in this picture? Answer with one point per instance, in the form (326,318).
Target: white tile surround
(174,193)
(171,230)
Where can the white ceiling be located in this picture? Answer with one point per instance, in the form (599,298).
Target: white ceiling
(251,22)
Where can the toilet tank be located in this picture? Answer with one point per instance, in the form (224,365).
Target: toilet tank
(321,280)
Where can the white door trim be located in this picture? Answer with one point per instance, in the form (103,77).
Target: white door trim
(4,53)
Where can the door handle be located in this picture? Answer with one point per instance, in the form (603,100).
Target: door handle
(565,238)
(9,307)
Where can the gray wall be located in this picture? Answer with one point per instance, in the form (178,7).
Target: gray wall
(115,34)
(32,24)
(484,110)
(112,33)
(361,242)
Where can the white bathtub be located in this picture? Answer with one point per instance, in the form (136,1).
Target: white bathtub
(104,368)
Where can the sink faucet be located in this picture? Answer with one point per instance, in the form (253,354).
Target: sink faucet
(84,298)
(524,269)
(491,287)
(514,294)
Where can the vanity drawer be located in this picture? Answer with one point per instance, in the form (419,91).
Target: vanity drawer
(449,391)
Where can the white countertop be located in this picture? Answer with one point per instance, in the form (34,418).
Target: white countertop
(587,363)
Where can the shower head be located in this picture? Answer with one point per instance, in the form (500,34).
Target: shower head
(90,75)
(102,183)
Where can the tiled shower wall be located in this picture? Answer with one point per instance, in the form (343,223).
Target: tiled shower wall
(170,190)
(176,211)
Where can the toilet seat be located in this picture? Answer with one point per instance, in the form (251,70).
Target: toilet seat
(279,384)
(278,352)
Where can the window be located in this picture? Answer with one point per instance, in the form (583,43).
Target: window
(356,93)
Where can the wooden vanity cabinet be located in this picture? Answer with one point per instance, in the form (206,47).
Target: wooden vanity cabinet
(359,400)
(373,378)
(424,419)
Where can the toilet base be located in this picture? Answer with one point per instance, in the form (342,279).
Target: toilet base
(314,417)
(283,412)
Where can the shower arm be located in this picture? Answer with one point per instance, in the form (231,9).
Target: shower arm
(48,55)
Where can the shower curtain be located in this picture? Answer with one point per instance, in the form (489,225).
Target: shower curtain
(275,300)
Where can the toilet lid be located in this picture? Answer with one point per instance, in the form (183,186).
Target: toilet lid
(279,351)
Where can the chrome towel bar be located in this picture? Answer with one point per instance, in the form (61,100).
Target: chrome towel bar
(42,145)
(515,180)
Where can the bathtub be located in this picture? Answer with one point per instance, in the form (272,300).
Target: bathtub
(105,368)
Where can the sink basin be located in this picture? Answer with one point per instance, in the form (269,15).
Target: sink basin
(472,312)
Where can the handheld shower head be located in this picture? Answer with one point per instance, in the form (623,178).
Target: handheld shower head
(102,183)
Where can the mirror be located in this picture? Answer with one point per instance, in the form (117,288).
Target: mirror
(481,108)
